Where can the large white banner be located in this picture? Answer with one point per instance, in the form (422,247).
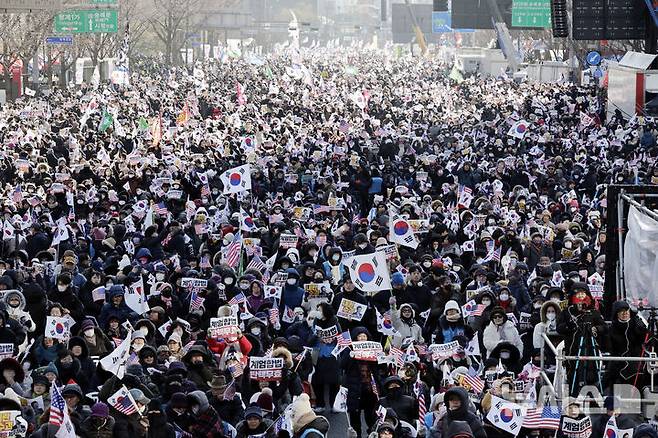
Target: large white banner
(641,257)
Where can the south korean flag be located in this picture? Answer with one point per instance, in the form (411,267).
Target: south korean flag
(400,232)
(369,272)
(237,180)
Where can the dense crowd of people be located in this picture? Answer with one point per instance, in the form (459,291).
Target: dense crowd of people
(261,246)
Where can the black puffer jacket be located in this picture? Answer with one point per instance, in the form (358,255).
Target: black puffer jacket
(405,406)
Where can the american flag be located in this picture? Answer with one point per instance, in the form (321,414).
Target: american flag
(17,196)
(123,402)
(233,250)
(256,264)
(161,209)
(274,315)
(57,406)
(236,369)
(229,392)
(398,355)
(166,240)
(204,262)
(475,382)
(547,417)
(238,299)
(344,340)
(318,209)
(195,301)
(205,190)
(422,408)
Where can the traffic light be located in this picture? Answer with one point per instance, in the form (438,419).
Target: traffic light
(559,18)
(440,6)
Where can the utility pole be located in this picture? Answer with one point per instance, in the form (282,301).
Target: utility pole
(420,38)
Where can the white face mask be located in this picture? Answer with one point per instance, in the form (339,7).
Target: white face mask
(363,245)
(486,302)
(420,284)
(550,316)
(312,253)
(144,330)
(291,281)
(504,354)
(255,331)
(137,347)
(89,333)
(228,280)
(555,300)
(159,276)
(244,286)
(61,287)
(504,297)
(335,257)
(427,264)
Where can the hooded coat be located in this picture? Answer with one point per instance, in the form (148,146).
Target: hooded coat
(406,328)
(405,406)
(546,326)
(506,332)
(353,369)
(206,421)
(462,413)
(626,339)
(93,430)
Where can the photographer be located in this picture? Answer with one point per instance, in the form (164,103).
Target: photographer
(627,336)
(583,329)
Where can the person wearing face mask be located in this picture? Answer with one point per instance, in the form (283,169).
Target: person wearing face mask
(417,291)
(147,329)
(488,299)
(167,300)
(66,294)
(405,406)
(404,321)
(96,341)
(257,333)
(199,370)
(116,307)
(458,404)
(517,287)
(333,267)
(626,337)
(136,424)
(362,245)
(535,249)
(506,300)
(100,424)
(292,295)
(138,341)
(325,375)
(207,421)
(304,327)
(549,313)
(499,329)
(451,325)
(15,305)
(69,368)
(581,321)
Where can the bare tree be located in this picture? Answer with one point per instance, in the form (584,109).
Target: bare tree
(170,18)
(20,37)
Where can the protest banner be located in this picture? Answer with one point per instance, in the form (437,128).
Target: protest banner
(442,351)
(12,424)
(327,335)
(193,283)
(6,350)
(367,350)
(288,241)
(576,428)
(268,369)
(224,327)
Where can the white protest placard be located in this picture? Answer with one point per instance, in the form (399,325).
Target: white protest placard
(572,428)
(193,283)
(288,241)
(266,369)
(442,351)
(98,294)
(6,350)
(367,350)
(12,424)
(351,310)
(328,335)
(224,327)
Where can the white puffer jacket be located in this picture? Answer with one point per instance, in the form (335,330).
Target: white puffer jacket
(507,332)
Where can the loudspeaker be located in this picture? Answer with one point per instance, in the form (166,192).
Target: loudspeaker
(559,18)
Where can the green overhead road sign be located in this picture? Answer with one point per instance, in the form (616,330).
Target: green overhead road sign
(531,13)
(87,21)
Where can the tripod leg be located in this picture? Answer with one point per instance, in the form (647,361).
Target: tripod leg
(597,352)
(575,372)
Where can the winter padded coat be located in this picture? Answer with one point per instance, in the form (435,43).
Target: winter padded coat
(506,332)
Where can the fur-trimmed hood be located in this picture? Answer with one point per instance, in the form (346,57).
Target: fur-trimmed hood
(284,353)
